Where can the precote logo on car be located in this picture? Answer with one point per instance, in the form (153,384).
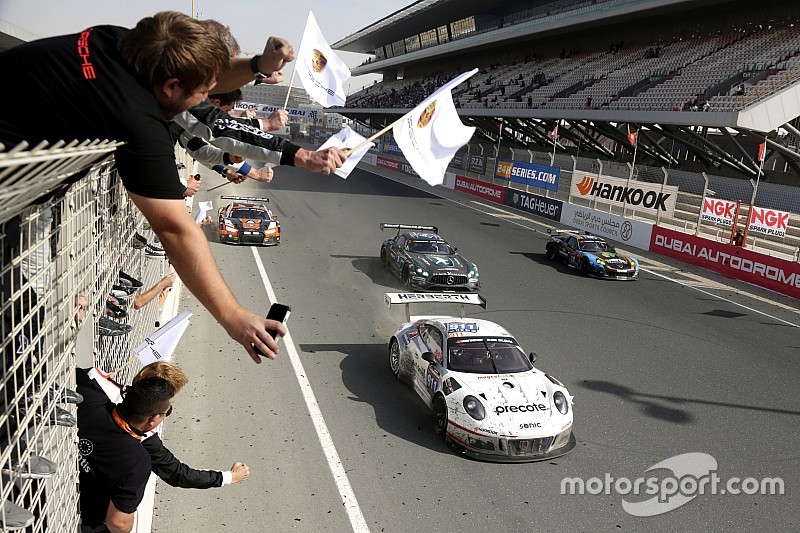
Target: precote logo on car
(529,408)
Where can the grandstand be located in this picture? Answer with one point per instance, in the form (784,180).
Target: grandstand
(703,81)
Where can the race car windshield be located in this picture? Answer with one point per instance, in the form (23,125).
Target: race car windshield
(249,213)
(486,356)
(596,246)
(429,247)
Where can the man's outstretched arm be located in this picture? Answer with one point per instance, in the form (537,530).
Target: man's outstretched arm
(190,254)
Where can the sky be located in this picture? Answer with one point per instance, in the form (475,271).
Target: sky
(251,21)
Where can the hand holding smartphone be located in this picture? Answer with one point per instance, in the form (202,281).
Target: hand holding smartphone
(279,313)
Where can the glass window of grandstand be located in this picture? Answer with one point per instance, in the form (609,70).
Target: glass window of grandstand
(428,38)
(388,51)
(444,36)
(412,43)
(462,27)
(398,48)
(380,54)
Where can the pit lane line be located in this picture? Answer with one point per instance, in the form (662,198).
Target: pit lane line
(346,493)
(513,217)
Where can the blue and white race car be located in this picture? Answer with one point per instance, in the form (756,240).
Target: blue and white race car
(488,400)
(591,256)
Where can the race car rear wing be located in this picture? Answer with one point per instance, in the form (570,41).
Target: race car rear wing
(400,227)
(245,198)
(409,298)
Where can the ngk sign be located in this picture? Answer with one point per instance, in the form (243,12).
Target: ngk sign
(769,221)
(638,195)
(718,211)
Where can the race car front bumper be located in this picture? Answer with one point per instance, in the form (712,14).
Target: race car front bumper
(508,450)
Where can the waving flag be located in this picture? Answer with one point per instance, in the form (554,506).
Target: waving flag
(322,72)
(762,149)
(431,133)
(158,346)
(633,137)
(554,133)
(347,138)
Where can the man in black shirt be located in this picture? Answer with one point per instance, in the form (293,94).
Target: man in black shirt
(111,83)
(114,466)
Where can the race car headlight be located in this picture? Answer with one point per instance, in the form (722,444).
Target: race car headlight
(473,273)
(230,227)
(600,261)
(272,226)
(560,402)
(474,407)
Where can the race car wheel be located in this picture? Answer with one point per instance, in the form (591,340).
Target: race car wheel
(550,253)
(394,357)
(405,277)
(440,421)
(584,266)
(383,257)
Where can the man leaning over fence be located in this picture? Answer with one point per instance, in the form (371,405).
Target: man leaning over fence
(108,82)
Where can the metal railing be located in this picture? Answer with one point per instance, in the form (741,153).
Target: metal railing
(66,227)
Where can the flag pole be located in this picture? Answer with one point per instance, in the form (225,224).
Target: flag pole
(499,135)
(555,143)
(755,190)
(214,188)
(384,130)
(288,92)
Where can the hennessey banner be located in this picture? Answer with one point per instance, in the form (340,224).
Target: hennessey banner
(638,195)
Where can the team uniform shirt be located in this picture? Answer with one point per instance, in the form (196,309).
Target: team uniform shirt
(79,87)
(162,462)
(113,465)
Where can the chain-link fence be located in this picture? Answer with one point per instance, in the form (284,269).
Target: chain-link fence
(67,231)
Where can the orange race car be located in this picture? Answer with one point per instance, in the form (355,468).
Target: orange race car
(248,221)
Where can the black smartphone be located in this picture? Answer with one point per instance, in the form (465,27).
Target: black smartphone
(280,313)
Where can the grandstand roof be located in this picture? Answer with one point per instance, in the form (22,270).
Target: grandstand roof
(676,53)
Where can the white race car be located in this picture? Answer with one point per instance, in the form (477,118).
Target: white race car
(489,401)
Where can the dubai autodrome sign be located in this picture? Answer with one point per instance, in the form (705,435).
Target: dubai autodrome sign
(739,263)
(639,195)
(481,189)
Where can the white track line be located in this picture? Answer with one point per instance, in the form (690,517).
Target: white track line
(357,520)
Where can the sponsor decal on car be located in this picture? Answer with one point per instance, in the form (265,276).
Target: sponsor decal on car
(458,326)
(525,408)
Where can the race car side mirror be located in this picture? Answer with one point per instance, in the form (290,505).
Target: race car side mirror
(428,356)
(532,356)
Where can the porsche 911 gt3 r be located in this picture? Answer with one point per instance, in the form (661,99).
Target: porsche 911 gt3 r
(591,255)
(488,400)
(248,221)
(424,261)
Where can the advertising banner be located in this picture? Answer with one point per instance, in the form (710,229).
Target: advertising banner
(471,163)
(631,232)
(263,109)
(391,147)
(768,221)
(449,180)
(534,204)
(388,164)
(718,211)
(482,189)
(639,195)
(527,173)
(732,261)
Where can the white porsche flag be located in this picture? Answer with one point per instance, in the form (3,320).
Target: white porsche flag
(202,209)
(431,133)
(322,72)
(159,345)
(347,138)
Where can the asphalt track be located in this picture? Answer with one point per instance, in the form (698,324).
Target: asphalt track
(658,368)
